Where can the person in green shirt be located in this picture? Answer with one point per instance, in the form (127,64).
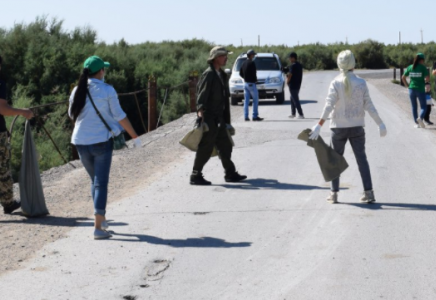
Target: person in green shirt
(419,75)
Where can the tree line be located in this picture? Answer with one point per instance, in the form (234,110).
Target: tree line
(42,61)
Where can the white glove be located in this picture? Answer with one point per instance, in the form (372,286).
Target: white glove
(382,129)
(315,132)
(137,143)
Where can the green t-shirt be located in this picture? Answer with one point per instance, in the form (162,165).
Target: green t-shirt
(417,77)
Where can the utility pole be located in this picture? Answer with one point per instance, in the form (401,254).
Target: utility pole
(258,40)
(422,37)
(242,44)
(346,40)
(399,38)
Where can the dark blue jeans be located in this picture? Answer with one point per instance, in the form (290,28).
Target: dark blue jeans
(97,159)
(295,101)
(414,94)
(356,136)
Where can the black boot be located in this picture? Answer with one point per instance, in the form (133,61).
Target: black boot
(10,208)
(198,179)
(234,177)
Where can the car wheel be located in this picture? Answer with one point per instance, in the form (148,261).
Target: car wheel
(235,101)
(280,98)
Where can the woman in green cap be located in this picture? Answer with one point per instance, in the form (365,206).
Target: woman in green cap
(419,75)
(91,136)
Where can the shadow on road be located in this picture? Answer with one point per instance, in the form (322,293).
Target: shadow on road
(302,102)
(203,242)
(59,221)
(271,184)
(271,102)
(293,120)
(394,206)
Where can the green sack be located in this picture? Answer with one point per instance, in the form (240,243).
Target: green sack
(31,191)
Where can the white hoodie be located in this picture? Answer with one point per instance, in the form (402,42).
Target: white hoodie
(349,110)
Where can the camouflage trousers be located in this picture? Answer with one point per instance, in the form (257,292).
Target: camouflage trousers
(6,181)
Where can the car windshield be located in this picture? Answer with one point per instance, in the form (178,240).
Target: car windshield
(262,64)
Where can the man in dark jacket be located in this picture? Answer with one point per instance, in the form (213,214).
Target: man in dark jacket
(295,77)
(6,181)
(249,73)
(213,107)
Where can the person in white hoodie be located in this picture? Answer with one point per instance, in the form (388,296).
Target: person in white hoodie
(347,100)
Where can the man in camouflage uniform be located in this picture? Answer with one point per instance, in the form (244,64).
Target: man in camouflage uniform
(213,107)
(6,182)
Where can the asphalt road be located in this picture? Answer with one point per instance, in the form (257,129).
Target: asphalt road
(271,237)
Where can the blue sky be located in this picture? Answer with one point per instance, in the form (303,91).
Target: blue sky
(225,22)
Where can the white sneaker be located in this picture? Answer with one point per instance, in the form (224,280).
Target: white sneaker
(420,122)
(291,116)
(368,197)
(333,198)
(101,234)
(416,126)
(300,117)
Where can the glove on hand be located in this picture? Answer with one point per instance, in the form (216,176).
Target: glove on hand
(382,129)
(315,132)
(137,143)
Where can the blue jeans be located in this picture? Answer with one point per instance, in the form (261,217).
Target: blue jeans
(356,136)
(97,159)
(250,91)
(414,94)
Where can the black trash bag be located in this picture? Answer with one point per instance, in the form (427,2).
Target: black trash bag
(31,193)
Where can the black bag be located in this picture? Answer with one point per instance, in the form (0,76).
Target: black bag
(119,141)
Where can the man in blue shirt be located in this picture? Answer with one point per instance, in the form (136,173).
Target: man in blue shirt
(295,77)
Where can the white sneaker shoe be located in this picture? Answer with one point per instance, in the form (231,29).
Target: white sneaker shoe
(420,122)
(333,198)
(300,117)
(291,116)
(101,234)
(368,197)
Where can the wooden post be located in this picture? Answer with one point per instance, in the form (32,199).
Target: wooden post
(401,76)
(395,73)
(193,80)
(152,96)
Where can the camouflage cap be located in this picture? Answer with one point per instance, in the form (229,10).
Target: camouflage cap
(217,51)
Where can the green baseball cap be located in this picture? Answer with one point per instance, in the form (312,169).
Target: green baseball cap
(95,64)
(421,55)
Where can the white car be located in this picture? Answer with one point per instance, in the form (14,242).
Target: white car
(270,78)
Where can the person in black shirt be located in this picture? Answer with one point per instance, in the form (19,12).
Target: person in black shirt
(295,77)
(249,73)
(6,181)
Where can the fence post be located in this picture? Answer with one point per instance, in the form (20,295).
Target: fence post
(401,76)
(152,96)
(395,73)
(193,79)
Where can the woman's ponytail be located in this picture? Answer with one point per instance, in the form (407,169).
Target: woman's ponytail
(79,100)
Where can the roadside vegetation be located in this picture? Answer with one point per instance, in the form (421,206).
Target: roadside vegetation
(42,62)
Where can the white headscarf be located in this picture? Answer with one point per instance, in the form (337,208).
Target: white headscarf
(346,63)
